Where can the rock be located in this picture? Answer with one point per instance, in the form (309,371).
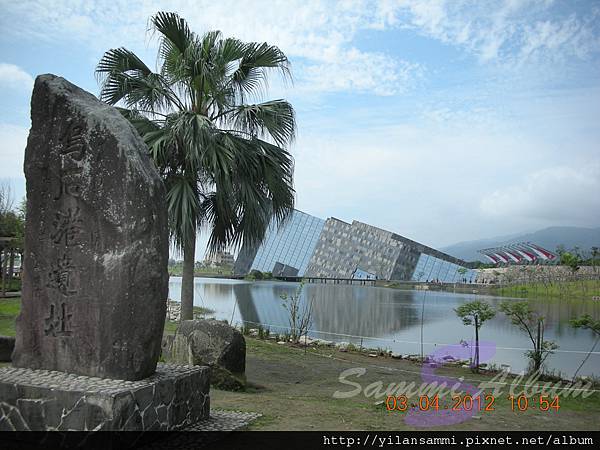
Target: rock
(305,340)
(96,280)
(373,355)
(209,342)
(7,345)
(166,344)
(396,356)
(225,380)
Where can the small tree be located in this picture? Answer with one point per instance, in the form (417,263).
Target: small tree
(595,258)
(572,260)
(587,323)
(532,323)
(299,314)
(475,313)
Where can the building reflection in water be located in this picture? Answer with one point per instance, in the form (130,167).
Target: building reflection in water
(390,318)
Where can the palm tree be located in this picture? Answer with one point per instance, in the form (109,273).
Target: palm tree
(223,159)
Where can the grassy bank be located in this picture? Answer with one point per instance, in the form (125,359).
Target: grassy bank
(584,289)
(9,310)
(293,389)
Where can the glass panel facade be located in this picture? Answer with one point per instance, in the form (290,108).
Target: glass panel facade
(292,244)
(305,245)
(429,268)
(360,274)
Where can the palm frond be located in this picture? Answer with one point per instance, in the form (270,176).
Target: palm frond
(250,78)
(275,119)
(124,77)
(174,30)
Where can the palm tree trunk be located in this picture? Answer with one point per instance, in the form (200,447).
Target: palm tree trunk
(187,279)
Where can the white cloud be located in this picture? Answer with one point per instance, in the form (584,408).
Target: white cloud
(13,140)
(356,71)
(318,35)
(559,195)
(14,77)
(515,31)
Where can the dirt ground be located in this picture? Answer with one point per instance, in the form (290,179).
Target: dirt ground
(293,389)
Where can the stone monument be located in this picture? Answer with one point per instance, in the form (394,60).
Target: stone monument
(95,278)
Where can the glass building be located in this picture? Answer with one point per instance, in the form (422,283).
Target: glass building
(431,269)
(306,246)
(287,249)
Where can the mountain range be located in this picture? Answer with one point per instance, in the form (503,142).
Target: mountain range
(549,238)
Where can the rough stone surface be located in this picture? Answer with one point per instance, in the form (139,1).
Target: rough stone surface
(7,345)
(225,421)
(95,280)
(209,342)
(174,397)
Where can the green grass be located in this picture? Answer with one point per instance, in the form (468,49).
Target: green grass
(13,285)
(9,310)
(171,327)
(293,389)
(585,289)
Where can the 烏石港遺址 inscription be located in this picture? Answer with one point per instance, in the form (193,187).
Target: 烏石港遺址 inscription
(96,241)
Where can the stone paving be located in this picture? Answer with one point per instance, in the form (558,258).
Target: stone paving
(206,431)
(225,421)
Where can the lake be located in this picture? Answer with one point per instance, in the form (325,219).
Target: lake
(391,319)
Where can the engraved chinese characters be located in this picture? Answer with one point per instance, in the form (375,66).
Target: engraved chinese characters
(63,276)
(95,267)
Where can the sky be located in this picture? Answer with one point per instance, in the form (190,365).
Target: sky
(442,121)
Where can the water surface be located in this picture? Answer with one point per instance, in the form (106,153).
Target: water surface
(391,319)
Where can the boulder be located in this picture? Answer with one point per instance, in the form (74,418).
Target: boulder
(213,343)
(7,345)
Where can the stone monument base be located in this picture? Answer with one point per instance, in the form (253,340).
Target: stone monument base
(44,400)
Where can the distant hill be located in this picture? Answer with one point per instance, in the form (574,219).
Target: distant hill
(550,238)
